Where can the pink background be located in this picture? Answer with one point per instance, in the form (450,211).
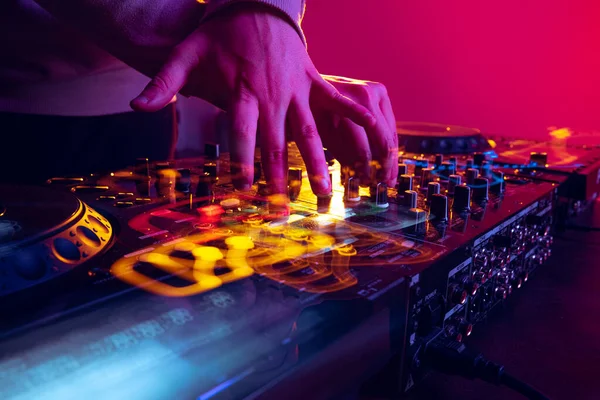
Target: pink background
(513,67)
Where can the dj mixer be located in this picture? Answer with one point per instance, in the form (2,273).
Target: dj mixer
(162,281)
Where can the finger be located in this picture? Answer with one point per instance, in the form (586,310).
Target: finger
(349,143)
(305,134)
(385,105)
(172,76)
(333,100)
(243,116)
(273,150)
(384,148)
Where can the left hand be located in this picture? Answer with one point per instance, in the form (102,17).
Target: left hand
(358,147)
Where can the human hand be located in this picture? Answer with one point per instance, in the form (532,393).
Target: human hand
(252,63)
(356,146)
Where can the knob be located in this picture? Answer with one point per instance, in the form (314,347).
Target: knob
(485,169)
(453,160)
(329,158)
(497,184)
(323,203)
(472,174)
(379,195)
(402,169)
(456,294)
(351,189)
(439,158)
(462,198)
(517,282)
(263,188)
(480,190)
(420,163)
(257,171)
(427,175)
(478,159)
(480,260)
(405,182)
(294,182)
(447,169)
(465,328)
(468,164)
(432,188)
(439,207)
(165,182)
(183,180)
(453,182)
(500,293)
(212,151)
(142,167)
(410,198)
(418,216)
(480,277)
(210,169)
(205,185)
(538,159)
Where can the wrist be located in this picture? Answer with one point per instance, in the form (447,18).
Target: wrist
(290,11)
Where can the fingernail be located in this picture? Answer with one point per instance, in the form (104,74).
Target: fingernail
(322,187)
(141,99)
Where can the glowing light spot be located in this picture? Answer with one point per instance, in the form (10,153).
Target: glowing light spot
(492,143)
(207,253)
(239,242)
(560,133)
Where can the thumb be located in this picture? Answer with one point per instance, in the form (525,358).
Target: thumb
(171,78)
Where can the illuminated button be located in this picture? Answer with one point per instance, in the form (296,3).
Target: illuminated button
(352,189)
(124,204)
(64,181)
(230,203)
(89,189)
(142,200)
(124,195)
(106,198)
(472,174)
(456,294)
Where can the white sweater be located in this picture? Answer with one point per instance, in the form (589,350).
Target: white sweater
(69,57)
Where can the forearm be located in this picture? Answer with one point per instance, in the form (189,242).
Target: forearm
(142,33)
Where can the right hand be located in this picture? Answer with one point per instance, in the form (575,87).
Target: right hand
(253,64)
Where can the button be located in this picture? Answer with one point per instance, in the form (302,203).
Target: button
(294,182)
(456,294)
(142,200)
(88,236)
(89,189)
(66,250)
(124,204)
(64,181)
(212,151)
(124,195)
(106,198)
(231,203)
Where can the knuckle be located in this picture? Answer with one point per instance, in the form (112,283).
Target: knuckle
(243,132)
(308,131)
(161,82)
(275,156)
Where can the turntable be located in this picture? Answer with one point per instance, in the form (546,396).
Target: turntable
(429,138)
(46,233)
